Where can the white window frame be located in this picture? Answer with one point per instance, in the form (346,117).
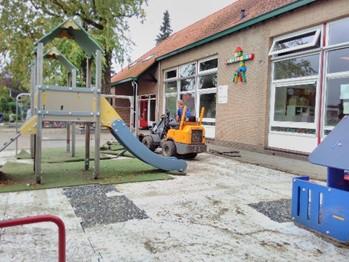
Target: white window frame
(196,92)
(289,124)
(190,63)
(330,76)
(209,71)
(147,97)
(317,31)
(295,78)
(169,70)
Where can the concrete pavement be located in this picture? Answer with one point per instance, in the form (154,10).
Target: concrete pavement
(204,216)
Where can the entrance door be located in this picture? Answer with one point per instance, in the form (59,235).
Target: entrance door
(143,118)
(147,104)
(293,116)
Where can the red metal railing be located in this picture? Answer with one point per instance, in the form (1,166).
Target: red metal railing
(38,219)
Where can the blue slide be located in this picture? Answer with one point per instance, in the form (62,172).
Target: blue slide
(122,133)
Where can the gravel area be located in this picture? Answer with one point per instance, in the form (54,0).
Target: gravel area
(277,210)
(102,204)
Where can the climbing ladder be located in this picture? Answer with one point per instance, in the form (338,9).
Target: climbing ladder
(12,139)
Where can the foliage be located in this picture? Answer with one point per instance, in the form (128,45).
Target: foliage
(25,21)
(7,104)
(165,28)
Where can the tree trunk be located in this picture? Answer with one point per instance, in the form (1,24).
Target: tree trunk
(106,79)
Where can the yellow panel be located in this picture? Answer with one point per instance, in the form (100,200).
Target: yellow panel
(29,126)
(108,113)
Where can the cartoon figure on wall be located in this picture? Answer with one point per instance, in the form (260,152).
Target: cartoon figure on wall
(239,57)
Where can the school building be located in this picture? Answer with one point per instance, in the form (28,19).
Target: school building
(271,74)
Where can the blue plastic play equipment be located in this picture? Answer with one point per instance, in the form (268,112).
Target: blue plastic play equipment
(325,208)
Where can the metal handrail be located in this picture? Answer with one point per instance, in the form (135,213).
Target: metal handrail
(39,219)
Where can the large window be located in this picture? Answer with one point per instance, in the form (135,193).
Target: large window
(310,85)
(334,103)
(208,101)
(338,61)
(338,32)
(337,73)
(296,67)
(171,92)
(295,103)
(196,84)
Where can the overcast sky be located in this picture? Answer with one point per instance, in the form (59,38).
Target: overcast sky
(182,14)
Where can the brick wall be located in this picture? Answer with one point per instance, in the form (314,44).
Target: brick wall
(244,119)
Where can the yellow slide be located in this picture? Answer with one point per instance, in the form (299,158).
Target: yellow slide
(108,113)
(29,126)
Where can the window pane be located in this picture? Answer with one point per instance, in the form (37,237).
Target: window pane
(187,70)
(295,103)
(297,67)
(171,87)
(171,74)
(337,31)
(295,41)
(188,84)
(210,64)
(338,60)
(189,101)
(334,105)
(171,105)
(208,101)
(208,81)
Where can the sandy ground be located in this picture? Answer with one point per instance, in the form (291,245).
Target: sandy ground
(204,216)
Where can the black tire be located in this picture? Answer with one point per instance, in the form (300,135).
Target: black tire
(149,143)
(189,156)
(168,148)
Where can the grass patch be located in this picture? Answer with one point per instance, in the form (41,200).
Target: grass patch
(59,155)
(19,176)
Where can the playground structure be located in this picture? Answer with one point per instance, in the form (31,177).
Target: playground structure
(54,54)
(84,105)
(325,208)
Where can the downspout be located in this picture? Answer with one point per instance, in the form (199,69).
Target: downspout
(135,105)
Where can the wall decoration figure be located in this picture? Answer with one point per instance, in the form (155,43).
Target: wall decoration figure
(239,57)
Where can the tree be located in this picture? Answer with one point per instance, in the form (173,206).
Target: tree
(165,28)
(25,21)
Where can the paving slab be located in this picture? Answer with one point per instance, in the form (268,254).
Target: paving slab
(294,164)
(204,216)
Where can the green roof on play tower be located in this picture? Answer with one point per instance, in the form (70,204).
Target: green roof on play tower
(70,29)
(53,53)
